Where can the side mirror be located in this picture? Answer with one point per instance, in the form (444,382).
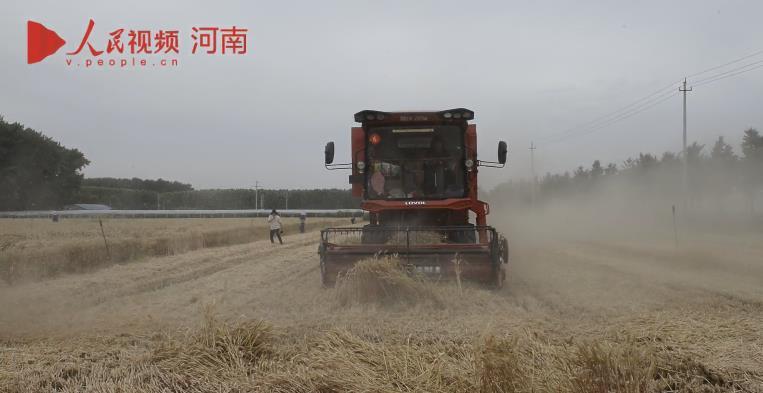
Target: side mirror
(502,150)
(329,153)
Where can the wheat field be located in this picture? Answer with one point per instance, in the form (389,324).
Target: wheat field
(39,248)
(620,313)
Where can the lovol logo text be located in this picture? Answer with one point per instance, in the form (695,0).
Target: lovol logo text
(415,203)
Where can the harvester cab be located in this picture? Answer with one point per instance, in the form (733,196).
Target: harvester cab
(416,174)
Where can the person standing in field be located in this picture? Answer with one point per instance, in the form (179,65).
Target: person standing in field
(275,226)
(302,219)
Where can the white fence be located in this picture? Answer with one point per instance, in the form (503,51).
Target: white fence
(178,213)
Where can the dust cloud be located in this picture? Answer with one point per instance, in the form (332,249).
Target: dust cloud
(633,240)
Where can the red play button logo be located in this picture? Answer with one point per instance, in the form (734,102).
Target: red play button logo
(41,42)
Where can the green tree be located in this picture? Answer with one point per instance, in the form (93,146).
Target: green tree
(694,153)
(596,169)
(611,169)
(752,145)
(752,149)
(158,185)
(36,172)
(722,151)
(722,171)
(580,174)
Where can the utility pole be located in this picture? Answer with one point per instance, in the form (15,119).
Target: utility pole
(532,173)
(685,175)
(287,200)
(256,186)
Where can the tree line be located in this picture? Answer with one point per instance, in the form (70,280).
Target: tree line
(714,174)
(268,199)
(158,185)
(36,172)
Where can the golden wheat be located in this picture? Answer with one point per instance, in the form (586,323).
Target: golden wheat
(383,280)
(249,356)
(37,248)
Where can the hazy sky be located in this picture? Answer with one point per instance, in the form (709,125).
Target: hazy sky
(529,69)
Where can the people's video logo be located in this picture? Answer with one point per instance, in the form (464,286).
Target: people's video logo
(133,48)
(41,42)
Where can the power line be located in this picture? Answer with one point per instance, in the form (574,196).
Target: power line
(726,64)
(729,71)
(728,74)
(621,117)
(605,118)
(653,99)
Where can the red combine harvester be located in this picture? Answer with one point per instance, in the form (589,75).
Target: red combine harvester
(416,173)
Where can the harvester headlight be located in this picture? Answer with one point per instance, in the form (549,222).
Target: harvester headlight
(370,116)
(361,165)
(447,115)
(469,163)
(456,115)
(379,116)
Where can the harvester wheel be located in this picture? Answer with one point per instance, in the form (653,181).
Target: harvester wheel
(499,271)
(498,277)
(504,250)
